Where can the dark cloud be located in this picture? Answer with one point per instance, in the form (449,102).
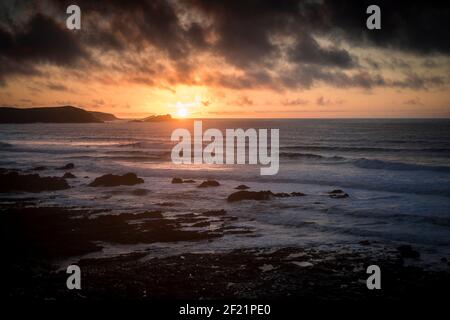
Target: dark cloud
(247,35)
(307,76)
(415,81)
(196,35)
(413,102)
(11,68)
(56,86)
(243,101)
(244,27)
(308,51)
(321,101)
(295,102)
(245,30)
(248,80)
(429,63)
(134,24)
(106,40)
(415,26)
(41,40)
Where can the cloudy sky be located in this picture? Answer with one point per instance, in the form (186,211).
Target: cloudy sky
(205,58)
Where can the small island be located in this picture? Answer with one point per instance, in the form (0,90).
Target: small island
(155,118)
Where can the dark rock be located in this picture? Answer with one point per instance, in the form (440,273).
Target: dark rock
(68,166)
(444,259)
(209,183)
(261,195)
(111,180)
(40,168)
(338,194)
(166,204)
(364,242)
(13,181)
(61,233)
(282,195)
(201,224)
(250,195)
(213,213)
(179,180)
(242,187)
(140,192)
(68,175)
(234,274)
(406,251)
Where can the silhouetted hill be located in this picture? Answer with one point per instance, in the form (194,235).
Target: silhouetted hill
(103,116)
(63,114)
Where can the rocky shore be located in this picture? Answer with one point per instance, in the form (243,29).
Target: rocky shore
(265,274)
(38,241)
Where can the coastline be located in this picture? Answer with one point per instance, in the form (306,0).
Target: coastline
(36,269)
(141,228)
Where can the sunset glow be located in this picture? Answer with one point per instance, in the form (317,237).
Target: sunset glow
(182,113)
(274,62)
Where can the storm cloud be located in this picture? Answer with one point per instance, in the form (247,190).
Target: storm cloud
(272,44)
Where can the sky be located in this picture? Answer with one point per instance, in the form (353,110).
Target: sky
(226,59)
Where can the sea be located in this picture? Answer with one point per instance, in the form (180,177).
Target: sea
(396,172)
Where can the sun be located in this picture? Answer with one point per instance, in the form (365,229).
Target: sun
(185,108)
(182,112)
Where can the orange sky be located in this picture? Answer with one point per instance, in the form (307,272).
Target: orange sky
(286,76)
(134,100)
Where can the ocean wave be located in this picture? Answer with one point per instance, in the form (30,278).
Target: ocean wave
(359,148)
(143,144)
(138,154)
(392,215)
(311,156)
(137,158)
(131,145)
(131,158)
(397,166)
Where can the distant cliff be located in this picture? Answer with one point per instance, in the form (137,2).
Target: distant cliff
(103,116)
(63,114)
